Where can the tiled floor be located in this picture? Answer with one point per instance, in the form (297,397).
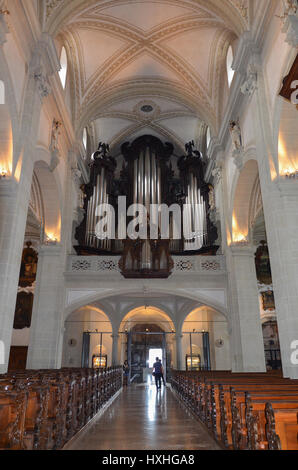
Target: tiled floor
(143,419)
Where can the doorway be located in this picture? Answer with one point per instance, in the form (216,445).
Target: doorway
(146,342)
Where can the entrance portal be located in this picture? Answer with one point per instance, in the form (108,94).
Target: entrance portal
(145,342)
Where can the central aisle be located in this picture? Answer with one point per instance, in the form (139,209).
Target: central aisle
(143,419)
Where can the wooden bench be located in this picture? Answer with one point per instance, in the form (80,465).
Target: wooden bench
(242,410)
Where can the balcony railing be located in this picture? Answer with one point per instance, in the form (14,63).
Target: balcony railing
(182,265)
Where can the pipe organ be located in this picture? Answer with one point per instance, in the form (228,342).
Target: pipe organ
(202,233)
(147,178)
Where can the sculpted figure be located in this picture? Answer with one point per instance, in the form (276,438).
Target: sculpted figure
(236,134)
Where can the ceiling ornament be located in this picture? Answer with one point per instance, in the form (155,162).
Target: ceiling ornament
(146,110)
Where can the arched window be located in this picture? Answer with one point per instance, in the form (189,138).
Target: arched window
(85,138)
(230,71)
(2,92)
(208,137)
(63,71)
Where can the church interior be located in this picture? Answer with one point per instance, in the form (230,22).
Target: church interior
(148,202)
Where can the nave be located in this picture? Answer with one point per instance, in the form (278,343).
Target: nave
(143,419)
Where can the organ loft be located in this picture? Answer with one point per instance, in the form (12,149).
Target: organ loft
(148,225)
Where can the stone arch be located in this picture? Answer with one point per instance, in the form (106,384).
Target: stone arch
(58,15)
(201,320)
(9,119)
(284,113)
(287,139)
(150,313)
(242,200)
(97,296)
(88,318)
(50,201)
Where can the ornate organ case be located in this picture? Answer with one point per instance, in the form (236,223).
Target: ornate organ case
(147,178)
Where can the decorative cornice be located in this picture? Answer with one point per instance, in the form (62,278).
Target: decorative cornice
(44,63)
(4,30)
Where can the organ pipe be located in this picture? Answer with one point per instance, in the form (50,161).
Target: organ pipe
(147,178)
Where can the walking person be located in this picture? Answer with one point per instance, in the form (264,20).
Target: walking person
(125,373)
(162,376)
(157,372)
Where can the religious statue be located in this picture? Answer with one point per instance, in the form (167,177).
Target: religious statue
(250,84)
(55,134)
(217,173)
(43,85)
(28,265)
(290,7)
(189,147)
(211,197)
(235,132)
(102,151)
(82,197)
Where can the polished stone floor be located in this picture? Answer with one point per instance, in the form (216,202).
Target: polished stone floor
(143,419)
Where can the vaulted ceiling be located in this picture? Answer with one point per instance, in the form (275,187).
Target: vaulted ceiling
(147,66)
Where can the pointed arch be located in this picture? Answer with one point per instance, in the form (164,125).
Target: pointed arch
(64,67)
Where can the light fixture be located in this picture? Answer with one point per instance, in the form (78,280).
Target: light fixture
(3,173)
(50,240)
(290,173)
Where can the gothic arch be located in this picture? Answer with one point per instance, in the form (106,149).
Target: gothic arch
(242,199)
(50,201)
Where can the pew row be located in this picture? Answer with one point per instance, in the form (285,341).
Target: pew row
(44,409)
(243,411)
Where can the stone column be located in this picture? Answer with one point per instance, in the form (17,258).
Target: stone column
(178,338)
(280,196)
(46,327)
(281,217)
(247,346)
(115,360)
(14,200)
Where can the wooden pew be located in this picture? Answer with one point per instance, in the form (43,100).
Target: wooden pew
(44,409)
(281,428)
(220,400)
(12,419)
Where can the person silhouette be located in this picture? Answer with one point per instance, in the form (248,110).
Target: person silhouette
(157,372)
(162,376)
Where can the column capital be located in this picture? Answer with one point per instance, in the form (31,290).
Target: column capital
(178,336)
(242,249)
(8,187)
(50,249)
(287,186)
